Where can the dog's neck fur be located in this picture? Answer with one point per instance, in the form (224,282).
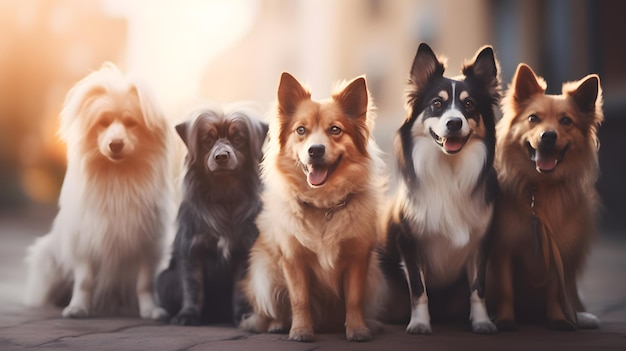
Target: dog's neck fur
(328,211)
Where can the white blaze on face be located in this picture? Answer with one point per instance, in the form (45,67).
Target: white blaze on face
(451,127)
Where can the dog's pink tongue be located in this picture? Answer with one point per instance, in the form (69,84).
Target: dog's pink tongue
(545,163)
(317,175)
(453,144)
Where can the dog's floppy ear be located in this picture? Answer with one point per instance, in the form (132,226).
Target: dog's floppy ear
(425,66)
(258,134)
(290,94)
(354,98)
(526,83)
(182,130)
(586,93)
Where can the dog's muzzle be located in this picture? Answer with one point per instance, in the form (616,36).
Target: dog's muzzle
(450,144)
(317,170)
(546,156)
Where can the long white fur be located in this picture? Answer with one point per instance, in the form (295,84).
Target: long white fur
(107,237)
(450,221)
(451,213)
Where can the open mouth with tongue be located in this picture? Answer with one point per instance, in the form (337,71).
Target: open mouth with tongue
(546,160)
(451,144)
(317,174)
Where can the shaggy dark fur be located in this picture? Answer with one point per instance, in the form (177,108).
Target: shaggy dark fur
(216,217)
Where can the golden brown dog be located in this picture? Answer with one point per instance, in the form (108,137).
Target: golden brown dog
(547,163)
(312,266)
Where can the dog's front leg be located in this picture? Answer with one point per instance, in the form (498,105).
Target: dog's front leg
(420,316)
(193,291)
(145,279)
(354,289)
(502,276)
(81,291)
(557,301)
(297,279)
(476,267)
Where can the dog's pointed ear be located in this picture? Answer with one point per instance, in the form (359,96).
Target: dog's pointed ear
(526,83)
(484,64)
(354,98)
(290,94)
(425,66)
(181,129)
(484,68)
(585,92)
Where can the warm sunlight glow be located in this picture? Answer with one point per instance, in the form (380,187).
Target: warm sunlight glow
(170,43)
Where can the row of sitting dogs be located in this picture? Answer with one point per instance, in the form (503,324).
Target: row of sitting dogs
(293,232)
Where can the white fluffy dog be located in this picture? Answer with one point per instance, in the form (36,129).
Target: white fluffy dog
(115,205)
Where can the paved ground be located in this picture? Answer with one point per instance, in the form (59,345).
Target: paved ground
(604,285)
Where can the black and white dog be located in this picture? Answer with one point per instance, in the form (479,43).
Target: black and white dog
(216,217)
(443,206)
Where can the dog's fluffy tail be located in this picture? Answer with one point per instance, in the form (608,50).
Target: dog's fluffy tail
(46,282)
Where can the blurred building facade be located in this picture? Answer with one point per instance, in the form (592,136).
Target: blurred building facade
(52,43)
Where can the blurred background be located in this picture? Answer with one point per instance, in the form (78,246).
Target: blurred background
(236,50)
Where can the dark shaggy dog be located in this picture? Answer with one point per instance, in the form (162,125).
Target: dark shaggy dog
(216,217)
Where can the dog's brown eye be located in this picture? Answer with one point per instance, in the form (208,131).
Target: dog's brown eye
(334,130)
(300,130)
(469,104)
(436,104)
(533,119)
(238,140)
(566,121)
(104,123)
(130,123)
(208,141)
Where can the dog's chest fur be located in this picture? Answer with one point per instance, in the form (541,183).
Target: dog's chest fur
(446,210)
(123,220)
(445,200)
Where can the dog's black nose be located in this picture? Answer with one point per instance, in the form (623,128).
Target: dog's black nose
(548,137)
(454,124)
(116,145)
(316,151)
(222,157)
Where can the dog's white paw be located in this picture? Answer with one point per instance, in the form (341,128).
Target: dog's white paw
(75,311)
(484,327)
(587,320)
(419,328)
(155,313)
(255,324)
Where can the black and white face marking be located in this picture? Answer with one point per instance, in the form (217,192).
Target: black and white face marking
(450,115)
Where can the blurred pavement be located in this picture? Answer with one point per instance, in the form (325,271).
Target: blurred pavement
(603,285)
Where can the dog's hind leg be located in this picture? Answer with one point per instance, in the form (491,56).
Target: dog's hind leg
(145,277)
(501,269)
(192,274)
(584,319)
(44,274)
(168,290)
(81,292)
(476,267)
